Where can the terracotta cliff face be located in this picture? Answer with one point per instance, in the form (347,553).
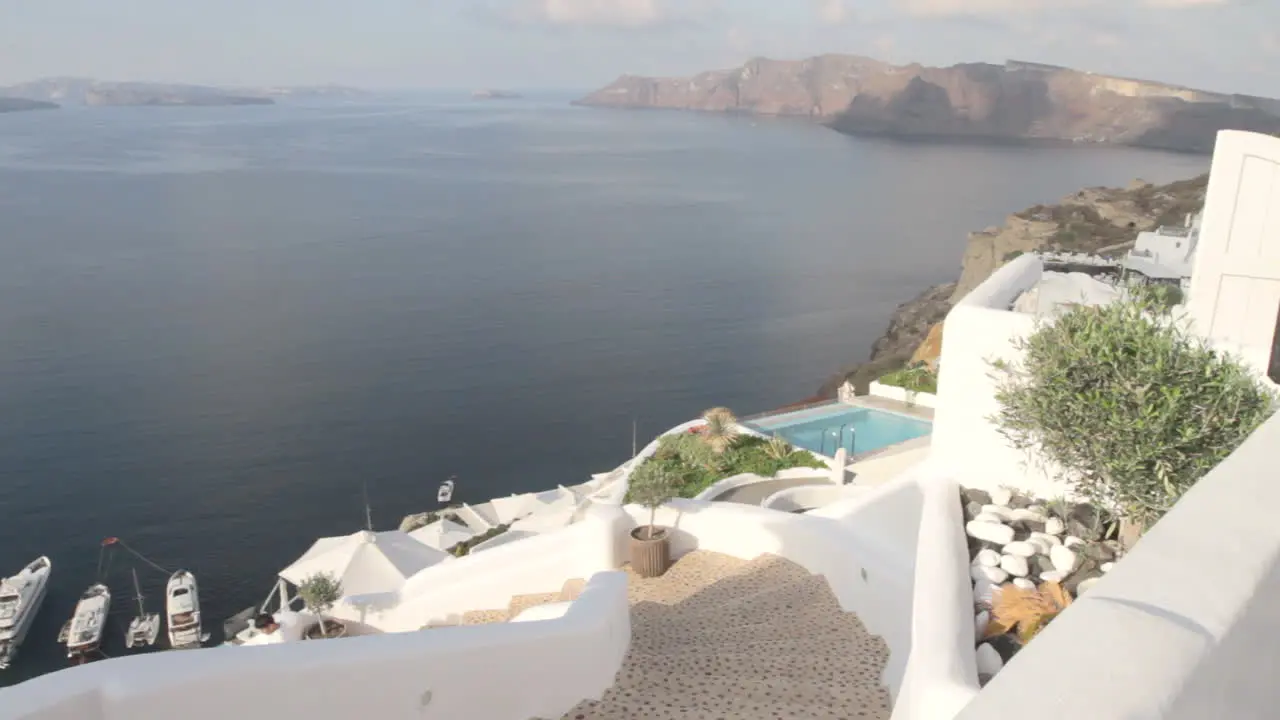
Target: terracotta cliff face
(1016,101)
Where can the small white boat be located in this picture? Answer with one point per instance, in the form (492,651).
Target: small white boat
(89,621)
(20,599)
(145,628)
(445,493)
(182,605)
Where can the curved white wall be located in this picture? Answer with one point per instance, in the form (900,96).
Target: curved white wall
(902,395)
(511,671)
(942,675)
(808,497)
(978,330)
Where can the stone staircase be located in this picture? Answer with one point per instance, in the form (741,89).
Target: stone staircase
(719,637)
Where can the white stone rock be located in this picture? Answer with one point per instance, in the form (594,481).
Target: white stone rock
(989,662)
(980,623)
(1084,586)
(989,517)
(1041,545)
(990,574)
(1054,526)
(1024,583)
(1014,565)
(1051,540)
(1004,513)
(1052,576)
(988,557)
(1020,548)
(983,591)
(1063,558)
(1028,514)
(1001,496)
(1106,567)
(1072,541)
(989,531)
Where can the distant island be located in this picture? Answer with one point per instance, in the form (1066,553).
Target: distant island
(102,93)
(20,104)
(494,95)
(1017,101)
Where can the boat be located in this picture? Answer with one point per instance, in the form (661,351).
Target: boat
(20,599)
(182,605)
(445,493)
(84,635)
(144,628)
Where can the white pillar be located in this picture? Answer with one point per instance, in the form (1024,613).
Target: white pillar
(838,469)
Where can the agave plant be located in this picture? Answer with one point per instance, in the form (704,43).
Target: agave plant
(778,449)
(1027,611)
(720,430)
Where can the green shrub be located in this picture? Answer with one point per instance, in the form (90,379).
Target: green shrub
(1012,254)
(916,377)
(694,467)
(1128,404)
(464,548)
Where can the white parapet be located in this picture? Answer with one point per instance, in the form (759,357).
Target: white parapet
(902,395)
(542,669)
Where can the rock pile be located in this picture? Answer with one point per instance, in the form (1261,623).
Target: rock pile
(1015,540)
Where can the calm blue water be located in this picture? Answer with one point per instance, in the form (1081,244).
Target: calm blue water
(218,324)
(857,430)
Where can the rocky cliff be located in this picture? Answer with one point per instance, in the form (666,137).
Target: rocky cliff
(1092,220)
(87,91)
(1016,101)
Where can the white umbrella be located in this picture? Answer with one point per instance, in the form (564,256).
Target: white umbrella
(365,562)
(442,534)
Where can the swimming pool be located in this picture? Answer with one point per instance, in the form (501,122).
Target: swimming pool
(858,430)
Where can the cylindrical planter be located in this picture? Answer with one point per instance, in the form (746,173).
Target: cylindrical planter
(650,557)
(334,628)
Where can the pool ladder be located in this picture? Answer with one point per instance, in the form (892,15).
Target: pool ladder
(839,440)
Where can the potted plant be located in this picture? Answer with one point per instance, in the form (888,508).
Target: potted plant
(651,486)
(320,592)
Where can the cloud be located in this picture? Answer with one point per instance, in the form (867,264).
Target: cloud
(1183,3)
(603,13)
(834,12)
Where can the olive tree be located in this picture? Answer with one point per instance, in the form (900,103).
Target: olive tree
(1131,406)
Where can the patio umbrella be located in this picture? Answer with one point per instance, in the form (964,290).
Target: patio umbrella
(365,562)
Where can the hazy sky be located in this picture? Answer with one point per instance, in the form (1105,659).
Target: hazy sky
(1230,45)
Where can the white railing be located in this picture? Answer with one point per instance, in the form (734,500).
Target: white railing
(510,671)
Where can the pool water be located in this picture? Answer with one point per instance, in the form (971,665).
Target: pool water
(857,430)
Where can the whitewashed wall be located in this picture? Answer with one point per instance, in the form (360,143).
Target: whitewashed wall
(978,330)
(512,671)
(902,395)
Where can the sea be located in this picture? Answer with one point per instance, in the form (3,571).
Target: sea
(225,332)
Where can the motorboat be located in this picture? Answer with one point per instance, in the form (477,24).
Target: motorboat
(445,493)
(182,606)
(20,599)
(145,628)
(84,635)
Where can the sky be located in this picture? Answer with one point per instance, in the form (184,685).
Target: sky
(1223,45)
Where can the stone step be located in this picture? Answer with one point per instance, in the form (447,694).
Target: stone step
(484,617)
(715,697)
(572,589)
(520,603)
(751,597)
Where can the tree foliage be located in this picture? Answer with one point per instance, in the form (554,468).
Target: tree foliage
(1131,406)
